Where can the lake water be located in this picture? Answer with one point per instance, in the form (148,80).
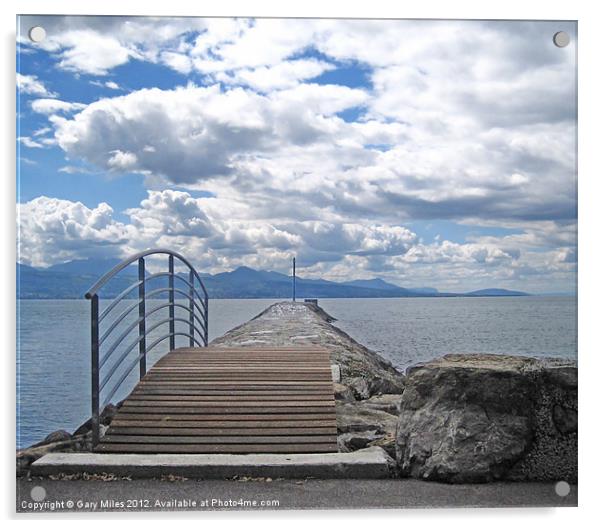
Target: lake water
(53,360)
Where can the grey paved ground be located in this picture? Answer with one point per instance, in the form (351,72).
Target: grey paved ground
(149,495)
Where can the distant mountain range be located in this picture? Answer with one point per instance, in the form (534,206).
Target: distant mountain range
(71,280)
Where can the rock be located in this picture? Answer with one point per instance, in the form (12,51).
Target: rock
(360,388)
(61,441)
(477,418)
(386,386)
(102,430)
(565,419)
(388,403)
(106,416)
(357,440)
(370,422)
(386,442)
(56,436)
(360,425)
(342,392)
(390,461)
(25,457)
(355,416)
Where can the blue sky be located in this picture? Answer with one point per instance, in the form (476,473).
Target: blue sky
(442,159)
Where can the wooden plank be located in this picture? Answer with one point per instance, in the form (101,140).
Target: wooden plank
(275,360)
(320,413)
(245,439)
(231,382)
(268,362)
(137,397)
(238,361)
(227,410)
(209,388)
(159,404)
(221,431)
(329,447)
(249,352)
(277,356)
(245,356)
(243,376)
(207,422)
(248,369)
(217,384)
(176,393)
(249,349)
(236,367)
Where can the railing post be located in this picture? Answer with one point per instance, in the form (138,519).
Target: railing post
(172,314)
(95,370)
(142,316)
(206,319)
(191,307)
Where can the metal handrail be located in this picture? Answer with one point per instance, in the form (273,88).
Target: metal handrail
(197,323)
(127,262)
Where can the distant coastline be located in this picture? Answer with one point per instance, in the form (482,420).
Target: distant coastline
(72,279)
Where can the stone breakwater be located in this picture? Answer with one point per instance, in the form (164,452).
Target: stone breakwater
(459,418)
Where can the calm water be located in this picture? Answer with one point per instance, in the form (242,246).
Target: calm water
(53,363)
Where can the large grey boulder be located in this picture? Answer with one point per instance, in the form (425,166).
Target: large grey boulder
(477,418)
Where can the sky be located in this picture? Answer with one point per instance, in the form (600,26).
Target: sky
(426,153)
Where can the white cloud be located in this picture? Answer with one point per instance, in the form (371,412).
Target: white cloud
(31,85)
(122,160)
(321,99)
(71,169)
(283,75)
(54,106)
(28,142)
(192,133)
(111,85)
(179,62)
(90,52)
(42,131)
(53,230)
(245,43)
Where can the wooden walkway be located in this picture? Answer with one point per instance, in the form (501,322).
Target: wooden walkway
(230,400)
